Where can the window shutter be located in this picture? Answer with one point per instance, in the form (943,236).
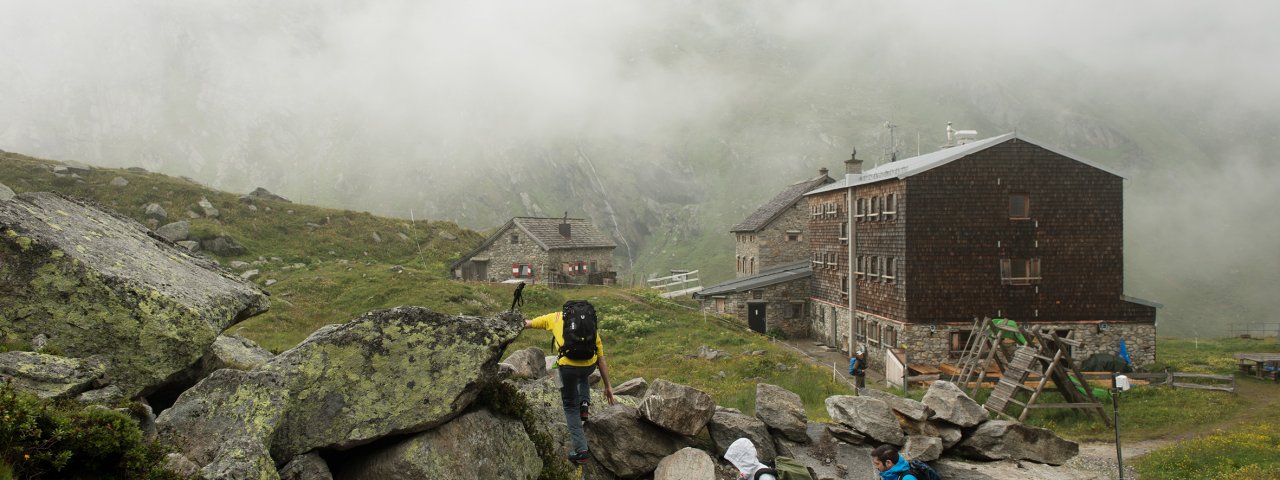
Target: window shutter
(1006,268)
(515,269)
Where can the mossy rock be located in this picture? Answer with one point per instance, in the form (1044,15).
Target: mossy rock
(96,282)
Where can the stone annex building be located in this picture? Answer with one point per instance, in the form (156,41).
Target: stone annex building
(905,256)
(555,251)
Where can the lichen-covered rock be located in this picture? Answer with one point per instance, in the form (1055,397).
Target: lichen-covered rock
(527,363)
(726,426)
(241,459)
(783,411)
(50,376)
(401,370)
(688,463)
(306,467)
(868,416)
(180,465)
(233,351)
(950,404)
(627,445)
(225,416)
(97,282)
(476,445)
(1001,439)
(679,408)
(175,232)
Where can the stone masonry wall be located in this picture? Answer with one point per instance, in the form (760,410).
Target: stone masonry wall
(1140,340)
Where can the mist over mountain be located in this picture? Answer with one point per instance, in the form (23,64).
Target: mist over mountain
(666,123)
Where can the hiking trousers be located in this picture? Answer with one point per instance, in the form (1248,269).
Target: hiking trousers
(573,393)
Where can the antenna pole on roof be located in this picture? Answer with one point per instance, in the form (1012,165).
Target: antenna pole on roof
(893,145)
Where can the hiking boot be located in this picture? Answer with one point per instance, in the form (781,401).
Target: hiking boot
(579,457)
(583,412)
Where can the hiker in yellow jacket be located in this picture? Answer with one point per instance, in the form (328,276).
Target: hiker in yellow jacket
(573,373)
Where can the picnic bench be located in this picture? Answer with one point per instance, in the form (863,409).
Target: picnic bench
(1260,365)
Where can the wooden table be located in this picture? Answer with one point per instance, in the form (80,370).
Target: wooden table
(1260,365)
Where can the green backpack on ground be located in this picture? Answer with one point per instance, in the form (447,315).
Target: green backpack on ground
(786,468)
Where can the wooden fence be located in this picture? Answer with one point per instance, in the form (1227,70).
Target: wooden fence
(1197,381)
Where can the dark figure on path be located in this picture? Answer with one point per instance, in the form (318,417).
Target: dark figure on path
(517,298)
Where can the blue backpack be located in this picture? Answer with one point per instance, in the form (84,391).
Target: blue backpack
(921,470)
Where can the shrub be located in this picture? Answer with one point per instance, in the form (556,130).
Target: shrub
(40,439)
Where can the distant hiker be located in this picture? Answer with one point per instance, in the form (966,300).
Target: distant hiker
(580,349)
(858,368)
(517,297)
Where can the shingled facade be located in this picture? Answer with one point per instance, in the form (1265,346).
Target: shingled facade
(1000,227)
(556,251)
(776,233)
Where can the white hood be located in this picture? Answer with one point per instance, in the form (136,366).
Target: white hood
(742,453)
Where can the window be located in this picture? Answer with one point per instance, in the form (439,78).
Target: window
(844,233)
(860,329)
(592,267)
(873,269)
(890,205)
(752,265)
(757,294)
(1019,206)
(857,266)
(890,337)
(521,270)
(793,235)
(831,208)
(874,213)
(844,284)
(832,262)
(817,259)
(1019,271)
(860,210)
(815,210)
(515,238)
(890,269)
(796,310)
(959,340)
(874,334)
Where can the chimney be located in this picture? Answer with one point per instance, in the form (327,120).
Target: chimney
(823,171)
(565,230)
(853,165)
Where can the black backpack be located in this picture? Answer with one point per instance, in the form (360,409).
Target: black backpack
(579,318)
(922,471)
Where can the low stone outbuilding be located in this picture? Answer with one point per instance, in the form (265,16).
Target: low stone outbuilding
(535,250)
(774,299)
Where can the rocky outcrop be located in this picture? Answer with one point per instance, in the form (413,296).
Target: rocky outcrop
(97,283)
(262,193)
(635,387)
(527,363)
(222,246)
(51,376)
(1001,439)
(783,411)
(225,422)
(306,467)
(481,444)
(628,446)
(868,416)
(6,193)
(688,463)
(925,449)
(679,408)
(401,370)
(727,426)
(950,404)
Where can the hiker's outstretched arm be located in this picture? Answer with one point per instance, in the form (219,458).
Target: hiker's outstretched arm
(604,378)
(528,324)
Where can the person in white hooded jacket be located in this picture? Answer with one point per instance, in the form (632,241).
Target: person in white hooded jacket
(742,453)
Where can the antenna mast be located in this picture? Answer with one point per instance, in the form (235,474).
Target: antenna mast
(893,145)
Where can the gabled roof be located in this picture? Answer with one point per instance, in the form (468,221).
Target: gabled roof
(546,233)
(779,204)
(919,164)
(771,276)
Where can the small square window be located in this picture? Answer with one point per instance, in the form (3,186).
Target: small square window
(757,294)
(515,238)
(1019,206)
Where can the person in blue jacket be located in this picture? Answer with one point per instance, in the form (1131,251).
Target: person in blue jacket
(890,464)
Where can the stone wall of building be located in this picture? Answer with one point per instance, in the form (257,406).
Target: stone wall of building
(747,254)
(936,347)
(504,252)
(786,306)
(561,264)
(785,239)
(829,324)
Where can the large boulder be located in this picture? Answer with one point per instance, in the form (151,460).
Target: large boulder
(727,426)
(908,408)
(175,232)
(628,446)
(401,370)
(1002,439)
(96,283)
(950,404)
(6,193)
(948,433)
(678,408)
(688,463)
(868,416)
(306,467)
(155,212)
(223,246)
(481,444)
(633,388)
(783,411)
(227,417)
(51,376)
(527,363)
(922,448)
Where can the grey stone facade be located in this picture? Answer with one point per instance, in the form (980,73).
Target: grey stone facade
(583,256)
(784,240)
(786,306)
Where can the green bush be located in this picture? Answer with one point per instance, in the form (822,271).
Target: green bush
(40,439)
